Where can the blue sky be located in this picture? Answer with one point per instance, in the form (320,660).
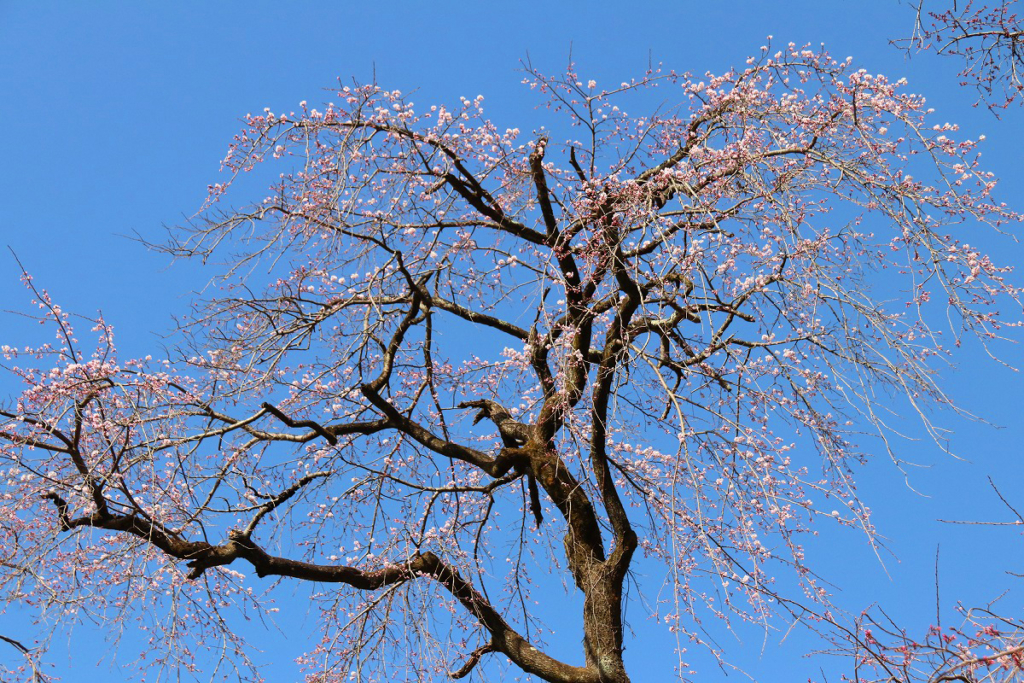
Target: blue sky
(116,116)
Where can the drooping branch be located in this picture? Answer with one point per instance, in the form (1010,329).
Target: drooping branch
(471,662)
(202,556)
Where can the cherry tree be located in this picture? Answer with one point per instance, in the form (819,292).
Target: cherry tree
(449,366)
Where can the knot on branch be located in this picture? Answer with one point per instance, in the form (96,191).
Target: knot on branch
(513,433)
(62,509)
(217,555)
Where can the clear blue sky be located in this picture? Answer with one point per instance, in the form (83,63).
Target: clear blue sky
(116,116)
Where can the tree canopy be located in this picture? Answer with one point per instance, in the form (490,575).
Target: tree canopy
(448,367)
